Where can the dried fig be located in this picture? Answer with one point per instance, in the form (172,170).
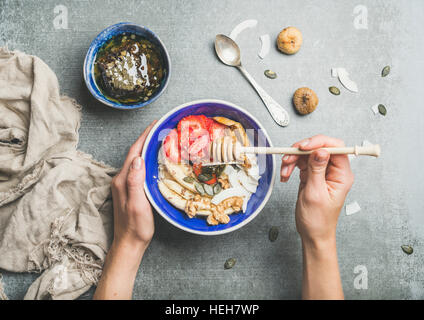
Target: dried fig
(289,40)
(305,100)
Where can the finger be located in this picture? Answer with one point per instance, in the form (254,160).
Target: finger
(320,141)
(317,167)
(135,149)
(303,176)
(339,178)
(286,171)
(302,163)
(135,180)
(288,159)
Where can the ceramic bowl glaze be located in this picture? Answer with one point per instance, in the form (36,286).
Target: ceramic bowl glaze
(209,108)
(104,36)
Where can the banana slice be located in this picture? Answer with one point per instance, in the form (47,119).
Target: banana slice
(177,188)
(179,171)
(237,128)
(175,199)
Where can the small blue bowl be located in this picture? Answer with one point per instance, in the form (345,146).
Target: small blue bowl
(99,41)
(209,108)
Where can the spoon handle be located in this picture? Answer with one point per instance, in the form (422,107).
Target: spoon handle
(369,150)
(278,113)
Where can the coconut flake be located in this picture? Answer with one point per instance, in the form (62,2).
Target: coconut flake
(374,108)
(232,176)
(265,46)
(245,202)
(246,24)
(228,193)
(345,80)
(247,182)
(352,208)
(366,143)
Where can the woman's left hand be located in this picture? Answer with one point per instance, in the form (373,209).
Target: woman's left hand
(133,218)
(133,226)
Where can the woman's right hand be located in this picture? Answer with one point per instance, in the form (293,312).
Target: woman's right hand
(324,183)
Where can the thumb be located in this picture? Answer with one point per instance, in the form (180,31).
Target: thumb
(317,166)
(135,179)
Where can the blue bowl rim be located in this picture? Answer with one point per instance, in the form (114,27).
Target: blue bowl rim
(130,106)
(254,214)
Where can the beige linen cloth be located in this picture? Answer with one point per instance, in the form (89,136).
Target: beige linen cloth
(55,205)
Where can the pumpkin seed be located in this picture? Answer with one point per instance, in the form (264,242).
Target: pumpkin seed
(229,263)
(385,72)
(199,188)
(334,90)
(188,179)
(407,249)
(208,169)
(217,188)
(382,109)
(236,167)
(273,234)
(270,74)
(203,177)
(208,189)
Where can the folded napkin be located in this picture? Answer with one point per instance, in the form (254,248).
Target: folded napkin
(55,204)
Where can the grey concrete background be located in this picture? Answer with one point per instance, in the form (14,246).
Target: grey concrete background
(179,265)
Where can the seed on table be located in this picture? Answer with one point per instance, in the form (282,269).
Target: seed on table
(273,234)
(229,263)
(334,90)
(407,249)
(382,109)
(270,74)
(385,72)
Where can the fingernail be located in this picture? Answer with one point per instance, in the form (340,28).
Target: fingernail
(319,157)
(304,143)
(136,163)
(284,171)
(285,158)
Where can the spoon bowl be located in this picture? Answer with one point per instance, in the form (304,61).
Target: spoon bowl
(227,50)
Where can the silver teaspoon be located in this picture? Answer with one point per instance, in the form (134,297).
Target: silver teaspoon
(229,53)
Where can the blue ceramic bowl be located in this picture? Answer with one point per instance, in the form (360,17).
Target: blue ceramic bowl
(104,36)
(209,108)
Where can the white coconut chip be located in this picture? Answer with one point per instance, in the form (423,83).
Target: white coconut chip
(366,143)
(352,208)
(228,193)
(246,24)
(374,108)
(245,202)
(334,73)
(345,80)
(247,182)
(232,176)
(265,46)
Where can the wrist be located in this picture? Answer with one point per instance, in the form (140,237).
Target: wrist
(319,246)
(129,252)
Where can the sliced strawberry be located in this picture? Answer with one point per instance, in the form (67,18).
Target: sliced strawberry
(190,129)
(170,146)
(198,144)
(216,130)
(197,168)
(213,180)
(195,123)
